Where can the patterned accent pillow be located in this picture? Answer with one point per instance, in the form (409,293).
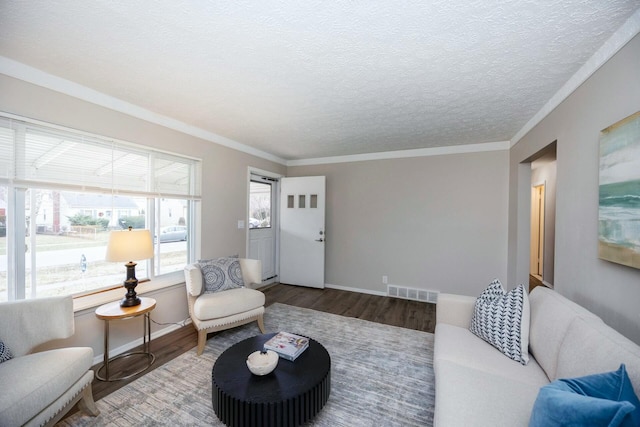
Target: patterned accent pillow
(221,274)
(5,354)
(502,320)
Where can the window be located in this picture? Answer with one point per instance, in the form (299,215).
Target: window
(63,191)
(259,204)
(171,235)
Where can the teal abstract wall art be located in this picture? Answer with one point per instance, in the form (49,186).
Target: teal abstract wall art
(619,202)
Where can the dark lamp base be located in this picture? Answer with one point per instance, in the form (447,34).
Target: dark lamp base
(130,298)
(130,302)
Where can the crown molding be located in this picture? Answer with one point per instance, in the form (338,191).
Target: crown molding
(402,154)
(38,77)
(621,37)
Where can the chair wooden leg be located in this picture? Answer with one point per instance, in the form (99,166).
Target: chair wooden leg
(202,340)
(261,324)
(86,404)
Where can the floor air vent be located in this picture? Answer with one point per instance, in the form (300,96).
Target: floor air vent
(412,293)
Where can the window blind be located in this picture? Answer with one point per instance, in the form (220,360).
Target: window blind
(7,138)
(38,155)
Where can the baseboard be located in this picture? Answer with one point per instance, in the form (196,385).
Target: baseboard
(359,290)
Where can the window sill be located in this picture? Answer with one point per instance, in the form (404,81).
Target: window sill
(90,302)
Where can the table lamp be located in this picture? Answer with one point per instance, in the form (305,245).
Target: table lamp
(129,245)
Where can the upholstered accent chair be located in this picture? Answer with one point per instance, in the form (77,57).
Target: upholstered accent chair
(216,311)
(39,387)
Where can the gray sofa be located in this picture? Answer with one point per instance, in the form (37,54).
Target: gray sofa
(39,387)
(476,385)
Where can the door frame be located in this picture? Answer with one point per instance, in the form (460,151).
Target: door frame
(538,213)
(275,216)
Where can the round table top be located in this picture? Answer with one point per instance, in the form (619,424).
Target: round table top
(112,310)
(290,379)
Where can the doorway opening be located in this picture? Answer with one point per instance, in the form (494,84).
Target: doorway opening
(542,219)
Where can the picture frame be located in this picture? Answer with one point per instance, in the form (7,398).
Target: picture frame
(619,193)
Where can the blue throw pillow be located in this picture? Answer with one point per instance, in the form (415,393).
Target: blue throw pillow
(604,399)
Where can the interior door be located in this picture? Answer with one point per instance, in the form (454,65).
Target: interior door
(302,230)
(537,230)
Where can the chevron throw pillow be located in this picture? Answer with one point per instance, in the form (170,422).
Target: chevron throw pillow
(502,319)
(5,354)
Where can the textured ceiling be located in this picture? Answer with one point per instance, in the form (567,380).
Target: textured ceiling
(307,79)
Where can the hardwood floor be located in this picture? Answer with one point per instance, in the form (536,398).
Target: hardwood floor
(391,311)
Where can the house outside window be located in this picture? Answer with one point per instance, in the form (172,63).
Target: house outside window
(62,192)
(260,204)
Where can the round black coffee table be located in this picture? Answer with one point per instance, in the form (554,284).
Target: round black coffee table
(289,396)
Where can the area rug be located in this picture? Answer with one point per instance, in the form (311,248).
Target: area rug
(380,376)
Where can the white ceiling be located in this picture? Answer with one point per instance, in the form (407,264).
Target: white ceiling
(309,79)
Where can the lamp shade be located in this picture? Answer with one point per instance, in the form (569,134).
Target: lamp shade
(129,245)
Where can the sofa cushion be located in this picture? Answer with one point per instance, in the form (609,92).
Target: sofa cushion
(590,347)
(459,345)
(471,397)
(551,315)
(226,303)
(38,379)
(221,274)
(502,319)
(605,399)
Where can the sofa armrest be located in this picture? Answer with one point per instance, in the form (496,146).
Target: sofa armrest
(455,310)
(25,324)
(251,272)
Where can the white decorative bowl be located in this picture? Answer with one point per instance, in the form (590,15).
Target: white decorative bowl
(262,363)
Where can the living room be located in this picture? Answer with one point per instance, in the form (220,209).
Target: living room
(448,219)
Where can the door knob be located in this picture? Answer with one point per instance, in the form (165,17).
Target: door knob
(320,240)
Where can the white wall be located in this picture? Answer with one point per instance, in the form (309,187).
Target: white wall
(610,290)
(224,198)
(436,222)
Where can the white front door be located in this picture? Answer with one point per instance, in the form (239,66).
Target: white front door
(302,232)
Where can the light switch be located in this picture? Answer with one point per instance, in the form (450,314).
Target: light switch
(240,224)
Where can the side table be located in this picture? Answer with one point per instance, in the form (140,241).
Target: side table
(113,311)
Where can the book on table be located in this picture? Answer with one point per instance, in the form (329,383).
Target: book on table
(288,346)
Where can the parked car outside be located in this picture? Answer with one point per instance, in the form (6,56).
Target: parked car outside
(174,233)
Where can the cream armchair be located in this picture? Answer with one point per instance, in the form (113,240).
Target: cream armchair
(39,387)
(212,312)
